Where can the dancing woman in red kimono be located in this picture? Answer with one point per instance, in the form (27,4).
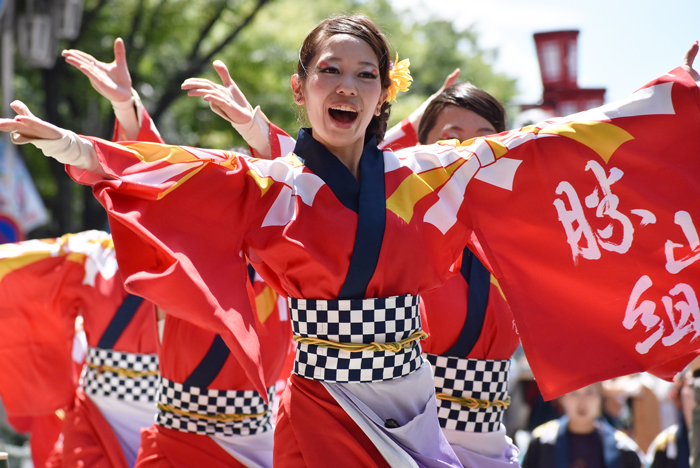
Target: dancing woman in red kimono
(471,362)
(204,392)
(394,224)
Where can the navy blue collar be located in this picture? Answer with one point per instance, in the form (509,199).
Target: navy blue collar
(367,199)
(331,170)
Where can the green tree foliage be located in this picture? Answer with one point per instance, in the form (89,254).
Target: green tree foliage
(170,40)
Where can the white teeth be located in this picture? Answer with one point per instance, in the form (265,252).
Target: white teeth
(343,108)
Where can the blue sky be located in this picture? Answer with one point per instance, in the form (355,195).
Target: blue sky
(622,44)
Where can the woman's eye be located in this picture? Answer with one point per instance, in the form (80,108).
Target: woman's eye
(328,70)
(368,75)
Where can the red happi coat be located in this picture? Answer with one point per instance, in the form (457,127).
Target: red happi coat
(576,279)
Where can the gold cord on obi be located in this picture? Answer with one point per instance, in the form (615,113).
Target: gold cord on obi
(128,373)
(223,418)
(394,346)
(474,403)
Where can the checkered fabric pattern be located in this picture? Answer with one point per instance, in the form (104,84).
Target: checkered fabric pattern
(102,382)
(471,378)
(380,320)
(209,402)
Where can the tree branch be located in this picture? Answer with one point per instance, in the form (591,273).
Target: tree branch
(173,91)
(203,33)
(88,17)
(135,23)
(135,54)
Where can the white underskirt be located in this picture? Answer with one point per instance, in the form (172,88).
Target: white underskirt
(418,441)
(126,419)
(484,449)
(251,451)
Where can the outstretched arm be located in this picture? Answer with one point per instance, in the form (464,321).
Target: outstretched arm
(230,103)
(113,81)
(63,145)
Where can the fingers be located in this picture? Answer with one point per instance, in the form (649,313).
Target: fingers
(451,78)
(78,54)
(227,110)
(119,51)
(21,108)
(223,73)
(690,55)
(8,125)
(199,83)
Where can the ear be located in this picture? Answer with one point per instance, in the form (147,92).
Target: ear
(382,99)
(296,89)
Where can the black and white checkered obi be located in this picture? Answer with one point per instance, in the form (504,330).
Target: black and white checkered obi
(126,376)
(365,321)
(470,378)
(207,412)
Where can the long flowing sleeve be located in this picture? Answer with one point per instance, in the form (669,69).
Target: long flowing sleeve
(590,224)
(178,217)
(43,286)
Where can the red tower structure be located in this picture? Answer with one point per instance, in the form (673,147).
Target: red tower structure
(557,52)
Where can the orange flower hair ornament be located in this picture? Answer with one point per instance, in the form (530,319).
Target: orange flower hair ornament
(400,77)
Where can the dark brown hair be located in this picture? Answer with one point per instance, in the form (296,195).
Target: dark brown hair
(363,28)
(468,96)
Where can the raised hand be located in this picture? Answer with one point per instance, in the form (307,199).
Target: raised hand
(688,62)
(226,100)
(449,81)
(26,126)
(112,80)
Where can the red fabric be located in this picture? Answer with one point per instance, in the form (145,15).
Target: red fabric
(406,137)
(446,309)
(37,320)
(88,439)
(167,448)
(44,434)
(500,189)
(578,316)
(55,458)
(44,284)
(147,132)
(307,412)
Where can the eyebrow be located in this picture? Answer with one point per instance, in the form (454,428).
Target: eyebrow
(457,127)
(339,59)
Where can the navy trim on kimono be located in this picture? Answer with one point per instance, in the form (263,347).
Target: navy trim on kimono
(366,197)
(328,167)
(120,321)
(478,278)
(210,366)
(212,362)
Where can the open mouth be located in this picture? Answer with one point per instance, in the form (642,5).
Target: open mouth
(343,114)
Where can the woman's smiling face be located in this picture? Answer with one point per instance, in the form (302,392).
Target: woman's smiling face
(341,92)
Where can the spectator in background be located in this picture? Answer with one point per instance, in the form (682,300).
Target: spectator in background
(580,439)
(671,448)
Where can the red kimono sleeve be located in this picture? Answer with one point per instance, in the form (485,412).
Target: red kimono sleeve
(590,223)
(41,286)
(178,218)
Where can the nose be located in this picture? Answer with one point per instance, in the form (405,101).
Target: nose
(347,87)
